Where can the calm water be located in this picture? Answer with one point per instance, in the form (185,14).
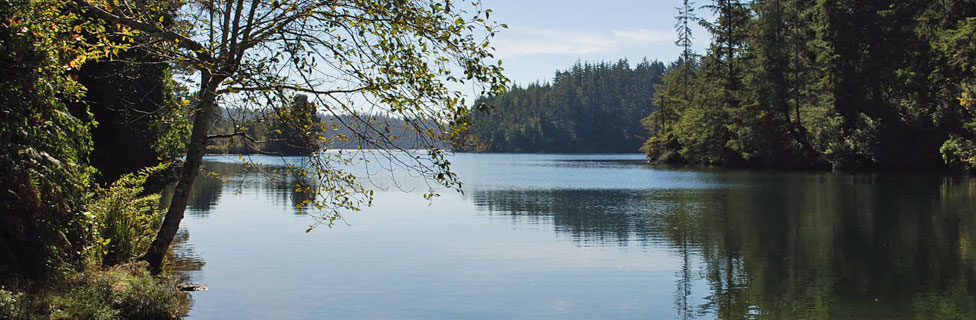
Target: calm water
(589,237)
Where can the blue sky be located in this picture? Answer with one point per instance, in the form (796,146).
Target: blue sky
(545,35)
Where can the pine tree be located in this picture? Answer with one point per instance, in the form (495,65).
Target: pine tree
(703,129)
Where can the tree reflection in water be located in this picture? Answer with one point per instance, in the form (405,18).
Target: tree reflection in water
(786,245)
(766,245)
(182,259)
(206,192)
(284,188)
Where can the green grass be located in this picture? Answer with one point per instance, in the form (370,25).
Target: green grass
(122,292)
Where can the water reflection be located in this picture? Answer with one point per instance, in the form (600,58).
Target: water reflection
(601,216)
(182,257)
(786,245)
(747,244)
(204,195)
(284,189)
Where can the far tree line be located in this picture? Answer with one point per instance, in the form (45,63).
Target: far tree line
(590,108)
(300,129)
(852,85)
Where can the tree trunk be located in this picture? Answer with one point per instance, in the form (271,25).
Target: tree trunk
(191,168)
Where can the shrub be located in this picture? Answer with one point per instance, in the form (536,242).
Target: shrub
(124,219)
(9,305)
(43,170)
(126,291)
(151,298)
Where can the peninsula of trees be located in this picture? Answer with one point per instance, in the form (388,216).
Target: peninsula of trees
(854,85)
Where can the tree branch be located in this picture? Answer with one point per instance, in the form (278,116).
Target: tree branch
(231,135)
(180,40)
(288,87)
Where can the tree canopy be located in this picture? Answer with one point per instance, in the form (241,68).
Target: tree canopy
(859,85)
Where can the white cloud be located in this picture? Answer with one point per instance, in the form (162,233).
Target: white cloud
(530,41)
(643,36)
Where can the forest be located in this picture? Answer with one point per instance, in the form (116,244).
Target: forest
(590,108)
(850,85)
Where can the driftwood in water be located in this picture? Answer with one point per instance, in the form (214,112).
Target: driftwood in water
(192,287)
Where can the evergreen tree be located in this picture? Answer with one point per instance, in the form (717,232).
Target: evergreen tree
(864,85)
(703,130)
(763,133)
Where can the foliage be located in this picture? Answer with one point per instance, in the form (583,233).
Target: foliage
(10,305)
(959,45)
(45,175)
(393,58)
(860,85)
(46,178)
(124,218)
(589,108)
(43,165)
(123,292)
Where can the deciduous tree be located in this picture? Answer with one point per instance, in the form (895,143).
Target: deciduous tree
(348,56)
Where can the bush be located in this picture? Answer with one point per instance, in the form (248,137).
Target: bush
(9,305)
(43,170)
(152,298)
(122,292)
(124,219)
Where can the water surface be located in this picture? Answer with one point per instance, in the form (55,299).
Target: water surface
(588,237)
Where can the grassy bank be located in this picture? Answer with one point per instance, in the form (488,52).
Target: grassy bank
(120,292)
(104,281)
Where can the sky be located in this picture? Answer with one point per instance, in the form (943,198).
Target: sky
(547,35)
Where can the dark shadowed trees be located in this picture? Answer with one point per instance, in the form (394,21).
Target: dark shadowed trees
(855,85)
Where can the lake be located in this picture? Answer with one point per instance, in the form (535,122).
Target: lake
(587,237)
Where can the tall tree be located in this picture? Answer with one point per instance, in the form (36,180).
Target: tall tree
(799,41)
(729,33)
(674,95)
(686,16)
(387,56)
(764,117)
(703,132)
(689,60)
